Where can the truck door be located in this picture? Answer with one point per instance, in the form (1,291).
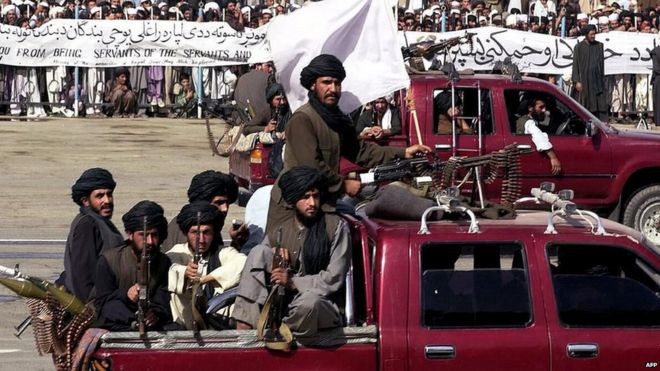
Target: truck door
(474,305)
(603,305)
(585,160)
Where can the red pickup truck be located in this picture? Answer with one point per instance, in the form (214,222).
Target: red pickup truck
(543,291)
(614,172)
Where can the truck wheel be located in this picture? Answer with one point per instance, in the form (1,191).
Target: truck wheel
(643,213)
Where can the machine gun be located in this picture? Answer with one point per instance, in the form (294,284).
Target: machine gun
(414,53)
(440,174)
(143,283)
(270,326)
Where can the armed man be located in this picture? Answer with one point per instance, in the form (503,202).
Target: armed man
(202,260)
(319,134)
(219,190)
(91,231)
(315,243)
(121,302)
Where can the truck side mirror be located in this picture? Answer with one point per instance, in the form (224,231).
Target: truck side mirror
(591,129)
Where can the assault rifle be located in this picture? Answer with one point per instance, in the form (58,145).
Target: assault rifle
(143,282)
(270,326)
(198,319)
(428,49)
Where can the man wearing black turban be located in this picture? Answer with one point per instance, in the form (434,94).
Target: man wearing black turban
(319,134)
(316,245)
(218,269)
(589,74)
(91,231)
(117,279)
(218,189)
(278,114)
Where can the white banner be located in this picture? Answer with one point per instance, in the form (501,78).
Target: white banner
(625,52)
(110,43)
(360,33)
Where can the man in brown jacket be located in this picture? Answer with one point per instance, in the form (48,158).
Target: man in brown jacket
(319,134)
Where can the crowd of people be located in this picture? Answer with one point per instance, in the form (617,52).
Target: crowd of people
(174,91)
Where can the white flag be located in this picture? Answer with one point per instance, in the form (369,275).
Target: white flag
(361,33)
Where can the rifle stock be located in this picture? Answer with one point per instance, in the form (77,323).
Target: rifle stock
(278,307)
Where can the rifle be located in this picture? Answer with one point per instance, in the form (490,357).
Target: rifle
(143,283)
(428,49)
(270,326)
(198,320)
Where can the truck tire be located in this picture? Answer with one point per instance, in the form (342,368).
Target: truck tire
(643,213)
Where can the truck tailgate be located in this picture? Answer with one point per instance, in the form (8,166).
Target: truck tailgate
(350,348)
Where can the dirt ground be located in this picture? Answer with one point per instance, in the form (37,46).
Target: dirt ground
(39,161)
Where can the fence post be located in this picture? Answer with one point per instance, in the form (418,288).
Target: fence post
(76,75)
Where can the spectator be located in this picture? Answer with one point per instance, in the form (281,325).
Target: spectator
(186,101)
(589,74)
(120,95)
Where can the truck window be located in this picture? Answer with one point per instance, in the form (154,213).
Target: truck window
(603,286)
(466,109)
(474,285)
(559,120)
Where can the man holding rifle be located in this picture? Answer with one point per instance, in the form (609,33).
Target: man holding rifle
(316,246)
(118,288)
(202,264)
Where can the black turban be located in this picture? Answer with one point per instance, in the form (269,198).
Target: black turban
(273,91)
(322,65)
(300,179)
(134,218)
(209,215)
(442,102)
(209,184)
(585,30)
(91,179)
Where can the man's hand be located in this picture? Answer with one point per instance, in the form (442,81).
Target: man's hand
(556,166)
(377,132)
(150,318)
(271,126)
(578,86)
(133,293)
(352,187)
(415,149)
(280,276)
(239,236)
(191,271)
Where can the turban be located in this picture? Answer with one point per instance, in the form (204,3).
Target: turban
(322,65)
(300,179)
(209,184)
(209,215)
(586,29)
(91,179)
(273,91)
(134,218)
(442,102)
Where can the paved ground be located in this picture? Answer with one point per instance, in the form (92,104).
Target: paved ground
(39,161)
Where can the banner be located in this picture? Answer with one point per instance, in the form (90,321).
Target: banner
(111,43)
(361,33)
(625,52)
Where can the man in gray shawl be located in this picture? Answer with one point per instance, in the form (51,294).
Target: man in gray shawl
(317,247)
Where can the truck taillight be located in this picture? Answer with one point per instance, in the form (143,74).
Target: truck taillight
(255,156)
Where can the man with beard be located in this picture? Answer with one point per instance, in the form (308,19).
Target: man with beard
(589,74)
(117,288)
(218,269)
(381,121)
(316,245)
(319,134)
(219,190)
(277,116)
(91,231)
(529,124)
